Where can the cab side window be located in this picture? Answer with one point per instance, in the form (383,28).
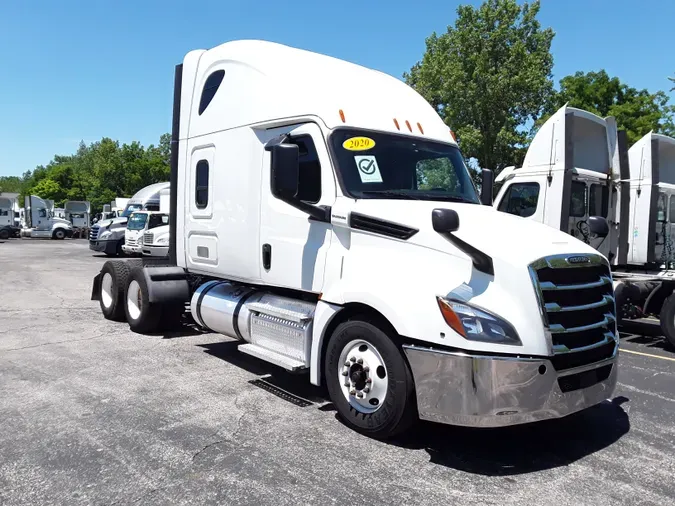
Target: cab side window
(42,213)
(520,199)
(310,169)
(598,202)
(672,209)
(578,200)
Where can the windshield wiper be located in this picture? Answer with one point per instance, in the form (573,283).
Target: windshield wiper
(391,193)
(449,198)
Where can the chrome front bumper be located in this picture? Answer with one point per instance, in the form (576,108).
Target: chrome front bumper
(489,391)
(156,251)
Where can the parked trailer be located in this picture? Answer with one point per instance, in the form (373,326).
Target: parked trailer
(322,214)
(576,173)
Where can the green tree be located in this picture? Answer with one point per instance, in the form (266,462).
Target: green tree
(636,111)
(11,184)
(488,76)
(49,189)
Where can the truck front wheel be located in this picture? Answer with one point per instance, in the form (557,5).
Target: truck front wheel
(667,317)
(369,380)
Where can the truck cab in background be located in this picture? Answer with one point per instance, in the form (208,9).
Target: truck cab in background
(142,235)
(322,215)
(107,236)
(78,213)
(40,221)
(8,227)
(592,176)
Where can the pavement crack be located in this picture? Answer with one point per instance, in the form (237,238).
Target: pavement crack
(54,342)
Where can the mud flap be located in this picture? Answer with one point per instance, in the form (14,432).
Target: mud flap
(96,288)
(166,284)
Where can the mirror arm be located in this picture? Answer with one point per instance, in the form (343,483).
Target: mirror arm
(318,213)
(481,261)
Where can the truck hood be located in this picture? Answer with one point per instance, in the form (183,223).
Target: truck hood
(61,221)
(511,239)
(112,222)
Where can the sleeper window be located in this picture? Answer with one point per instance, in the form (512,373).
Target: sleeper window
(210,88)
(202,184)
(521,199)
(309,189)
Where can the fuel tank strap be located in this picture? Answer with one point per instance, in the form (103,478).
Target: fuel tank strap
(235,315)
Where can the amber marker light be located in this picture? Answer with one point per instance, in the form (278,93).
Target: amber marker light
(407,123)
(396,123)
(421,129)
(342,115)
(450,317)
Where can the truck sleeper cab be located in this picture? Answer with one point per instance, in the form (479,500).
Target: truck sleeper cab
(322,214)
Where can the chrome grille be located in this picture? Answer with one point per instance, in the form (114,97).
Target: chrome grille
(131,242)
(577,308)
(93,233)
(147,238)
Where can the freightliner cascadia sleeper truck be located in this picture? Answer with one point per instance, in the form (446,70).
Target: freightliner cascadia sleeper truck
(322,214)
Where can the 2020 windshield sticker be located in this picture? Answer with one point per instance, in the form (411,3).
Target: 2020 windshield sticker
(358,144)
(369,172)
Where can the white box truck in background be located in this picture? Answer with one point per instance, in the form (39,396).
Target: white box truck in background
(322,214)
(147,232)
(107,236)
(576,173)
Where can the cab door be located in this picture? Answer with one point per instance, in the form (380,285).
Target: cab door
(524,197)
(293,246)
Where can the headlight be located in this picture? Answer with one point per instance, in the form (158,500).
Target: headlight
(162,240)
(104,234)
(477,324)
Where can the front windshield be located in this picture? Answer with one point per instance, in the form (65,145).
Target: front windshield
(137,221)
(130,209)
(396,166)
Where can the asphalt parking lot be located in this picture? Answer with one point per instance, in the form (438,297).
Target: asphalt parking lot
(91,413)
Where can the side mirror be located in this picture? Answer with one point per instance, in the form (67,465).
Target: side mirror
(285,170)
(487,182)
(598,226)
(445,221)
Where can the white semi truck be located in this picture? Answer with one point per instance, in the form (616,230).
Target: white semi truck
(8,227)
(78,213)
(41,222)
(322,214)
(107,236)
(576,173)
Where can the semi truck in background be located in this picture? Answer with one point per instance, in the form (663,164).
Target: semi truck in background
(107,236)
(577,173)
(147,232)
(78,213)
(8,227)
(321,213)
(41,222)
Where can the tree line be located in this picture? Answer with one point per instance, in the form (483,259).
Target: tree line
(489,76)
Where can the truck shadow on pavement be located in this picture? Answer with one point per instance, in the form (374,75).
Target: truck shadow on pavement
(525,448)
(493,452)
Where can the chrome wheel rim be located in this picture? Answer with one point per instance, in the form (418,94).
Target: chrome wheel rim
(363,376)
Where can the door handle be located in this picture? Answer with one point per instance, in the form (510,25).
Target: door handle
(267,256)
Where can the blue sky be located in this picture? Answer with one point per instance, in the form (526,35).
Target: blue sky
(73,70)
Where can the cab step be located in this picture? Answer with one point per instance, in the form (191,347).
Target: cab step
(272,357)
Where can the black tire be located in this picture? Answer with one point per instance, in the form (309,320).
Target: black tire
(4,234)
(667,318)
(119,251)
(119,273)
(59,234)
(148,319)
(398,411)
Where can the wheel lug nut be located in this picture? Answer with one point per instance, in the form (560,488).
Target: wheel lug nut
(359,395)
(346,383)
(366,369)
(352,392)
(368,380)
(348,364)
(345,373)
(353,359)
(366,390)
(359,361)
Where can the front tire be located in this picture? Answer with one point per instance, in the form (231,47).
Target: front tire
(142,315)
(4,234)
(59,234)
(667,317)
(369,380)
